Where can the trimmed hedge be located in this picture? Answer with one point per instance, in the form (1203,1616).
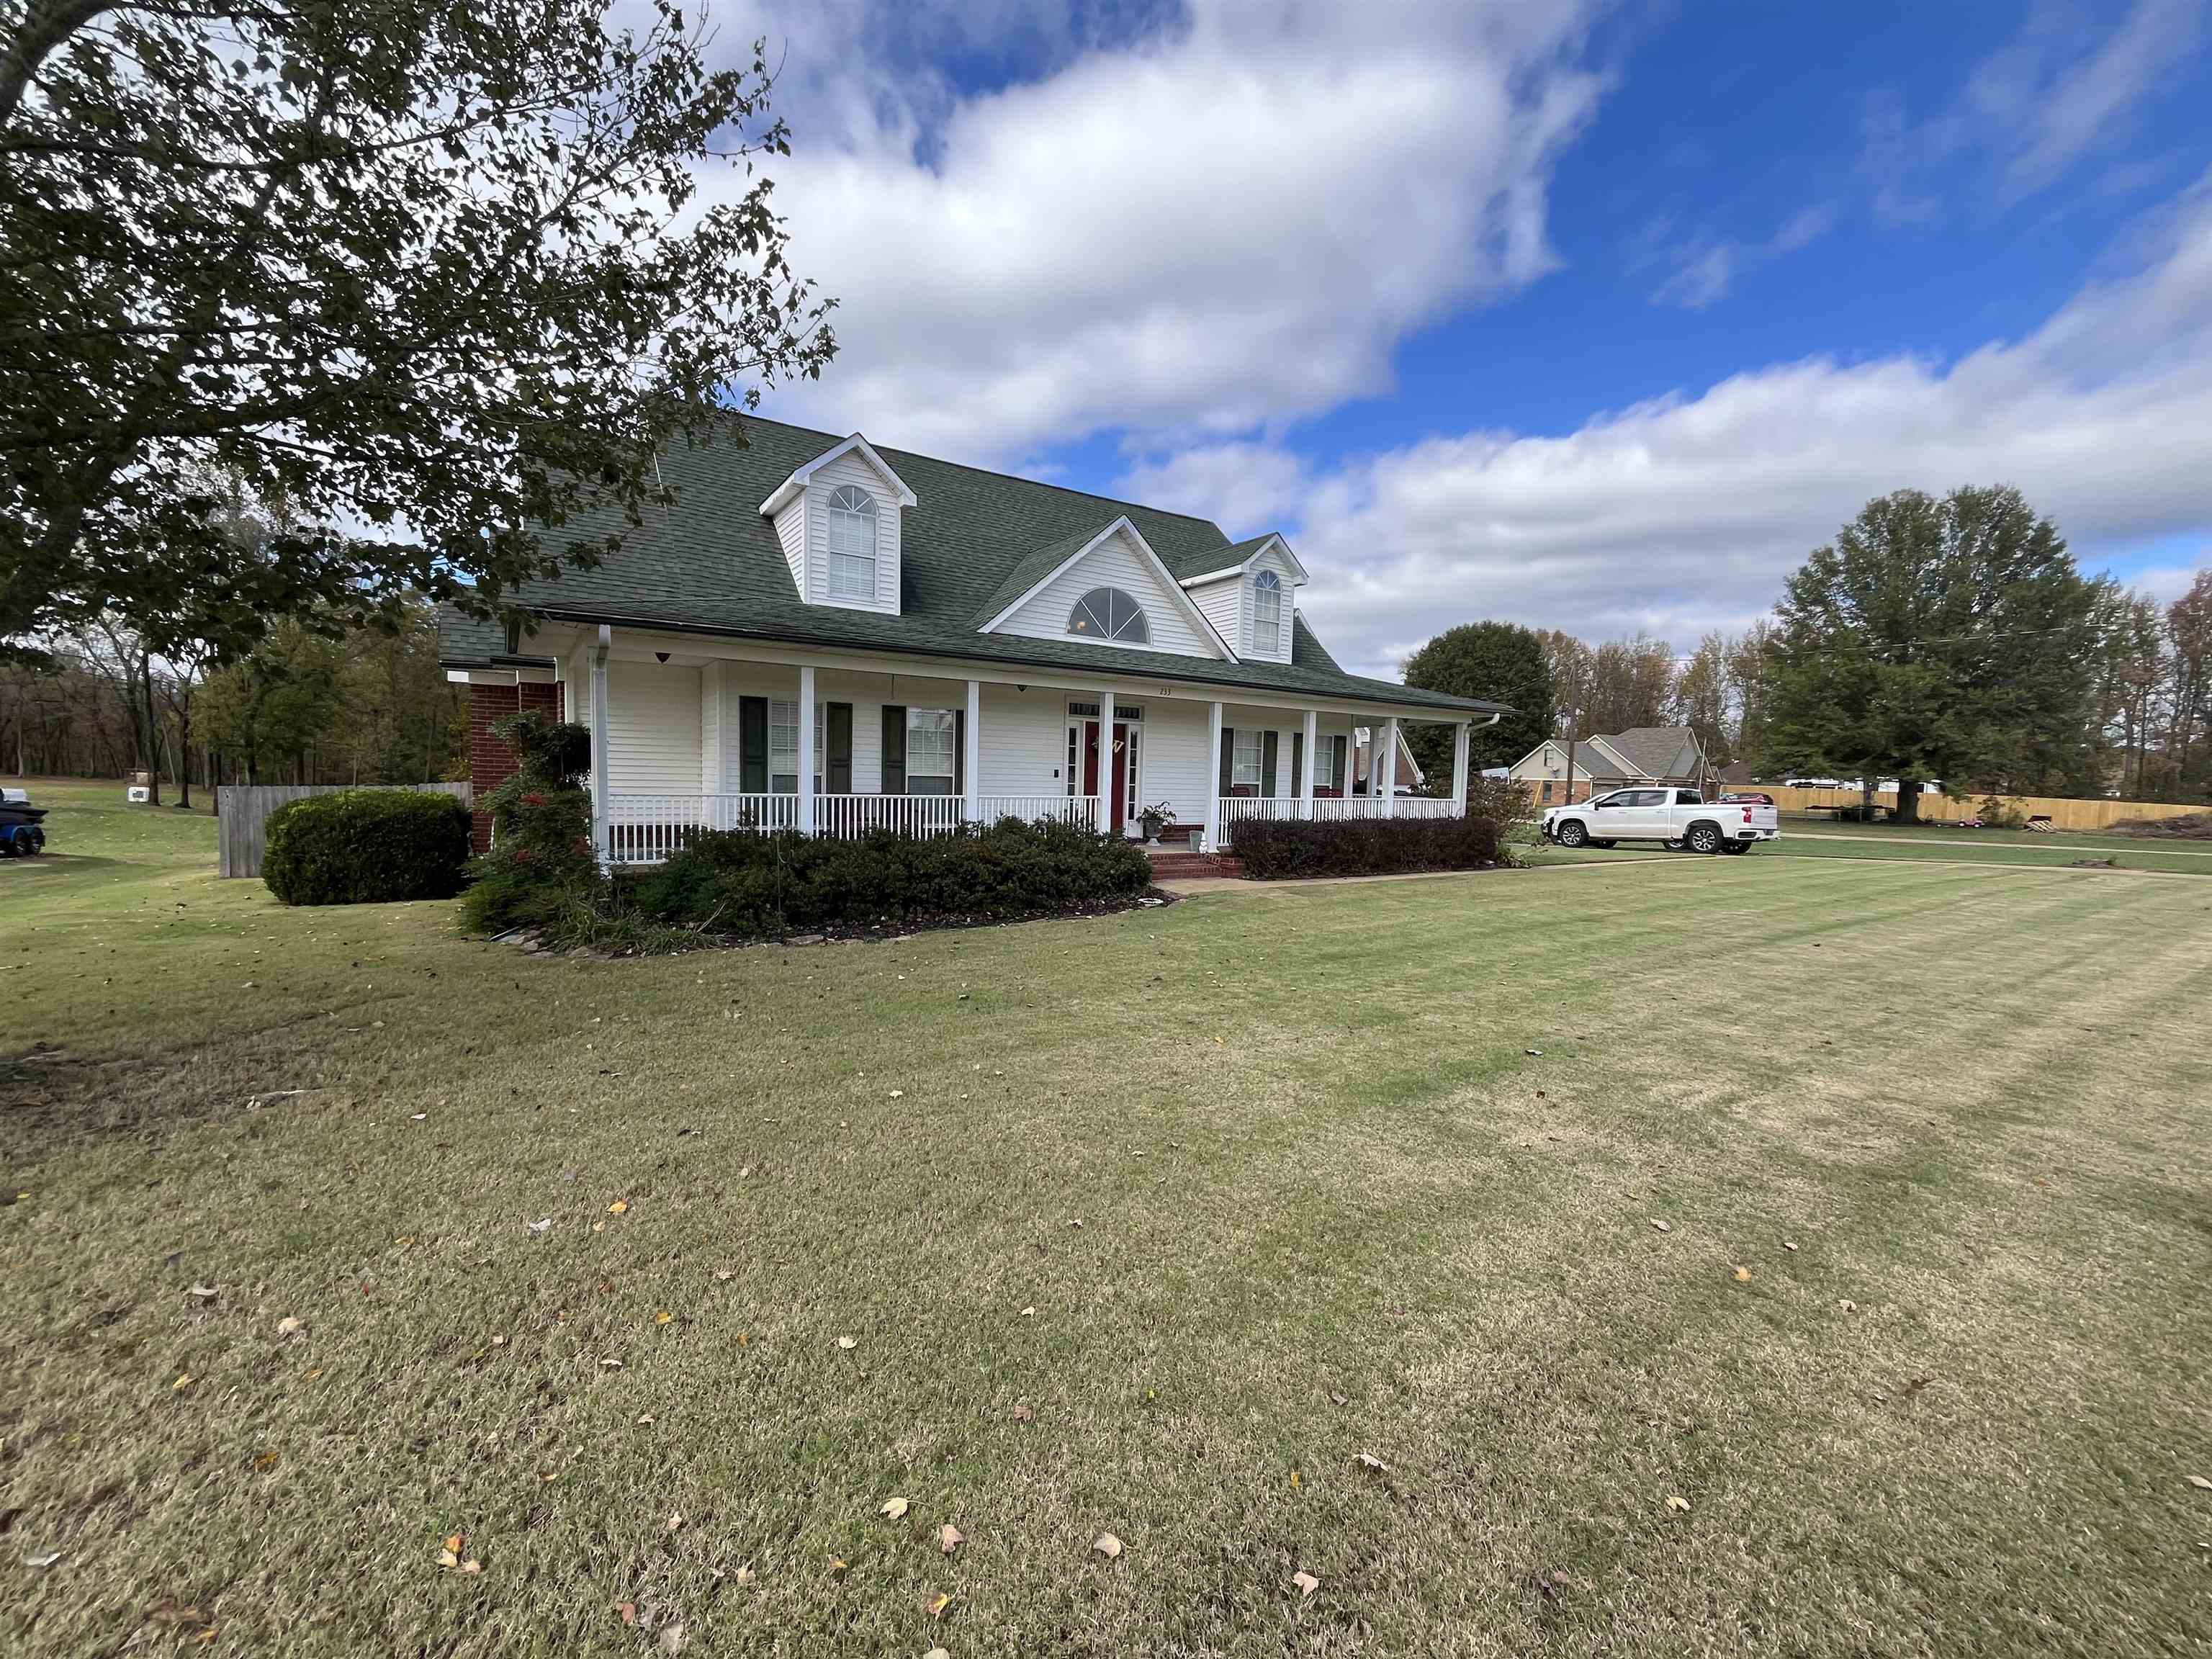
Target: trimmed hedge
(1286,849)
(541,864)
(740,882)
(367,846)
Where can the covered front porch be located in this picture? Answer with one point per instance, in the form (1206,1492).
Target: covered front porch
(689,734)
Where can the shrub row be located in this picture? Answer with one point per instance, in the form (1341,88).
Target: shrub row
(367,846)
(1285,850)
(740,882)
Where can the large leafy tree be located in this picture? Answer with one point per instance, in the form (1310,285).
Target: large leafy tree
(1949,638)
(446,275)
(1501,661)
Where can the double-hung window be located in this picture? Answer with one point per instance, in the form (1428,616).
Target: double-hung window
(1325,762)
(852,521)
(1266,611)
(1245,760)
(783,748)
(932,736)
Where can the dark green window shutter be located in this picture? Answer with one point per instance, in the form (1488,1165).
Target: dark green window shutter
(1297,762)
(840,737)
(1341,744)
(1228,760)
(959,752)
(753,745)
(894,748)
(1267,742)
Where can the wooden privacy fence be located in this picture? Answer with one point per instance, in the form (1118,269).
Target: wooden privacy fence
(1939,809)
(241,813)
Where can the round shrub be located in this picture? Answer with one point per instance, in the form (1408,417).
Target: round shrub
(367,846)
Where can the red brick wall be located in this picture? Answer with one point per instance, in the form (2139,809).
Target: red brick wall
(490,763)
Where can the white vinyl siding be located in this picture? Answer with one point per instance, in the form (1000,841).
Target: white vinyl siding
(1115,562)
(791,534)
(1221,602)
(851,468)
(652,728)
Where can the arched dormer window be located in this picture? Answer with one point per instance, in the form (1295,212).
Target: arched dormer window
(852,520)
(1266,611)
(1107,613)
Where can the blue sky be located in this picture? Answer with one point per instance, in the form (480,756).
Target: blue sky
(1590,316)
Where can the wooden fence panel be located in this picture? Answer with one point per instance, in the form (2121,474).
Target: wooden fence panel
(242,816)
(2063,814)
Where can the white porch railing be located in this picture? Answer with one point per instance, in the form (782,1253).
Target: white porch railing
(1079,810)
(650,829)
(1330,808)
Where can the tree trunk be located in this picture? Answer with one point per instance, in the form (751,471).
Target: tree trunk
(153,731)
(1908,800)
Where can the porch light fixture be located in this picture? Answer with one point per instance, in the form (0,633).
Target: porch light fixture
(661,656)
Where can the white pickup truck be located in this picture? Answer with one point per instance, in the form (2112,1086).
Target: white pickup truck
(1675,817)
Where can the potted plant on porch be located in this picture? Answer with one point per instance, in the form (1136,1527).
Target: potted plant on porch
(1156,818)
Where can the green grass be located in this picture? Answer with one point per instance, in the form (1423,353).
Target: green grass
(1312,1161)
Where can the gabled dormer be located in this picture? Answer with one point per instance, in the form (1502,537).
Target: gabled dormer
(1103,586)
(837,518)
(1250,596)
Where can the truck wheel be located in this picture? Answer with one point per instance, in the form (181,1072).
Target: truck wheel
(1571,833)
(1703,838)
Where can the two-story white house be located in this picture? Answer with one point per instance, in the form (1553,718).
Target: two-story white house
(828,636)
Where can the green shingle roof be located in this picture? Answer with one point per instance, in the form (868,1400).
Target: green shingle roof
(712,564)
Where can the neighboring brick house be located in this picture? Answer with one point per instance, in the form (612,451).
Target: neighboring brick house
(1643,754)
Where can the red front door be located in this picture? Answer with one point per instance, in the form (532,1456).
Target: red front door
(1117,809)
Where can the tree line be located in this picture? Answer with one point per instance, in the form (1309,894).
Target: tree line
(1947,639)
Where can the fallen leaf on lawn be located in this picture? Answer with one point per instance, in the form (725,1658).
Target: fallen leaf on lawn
(1077,1223)
(1107,1546)
(1913,1385)
(676,1523)
(544,1223)
(1743,1275)
(620,1205)
(672,1637)
(1848,1305)
(837,1568)
(447,1559)
(1680,1505)
(1028,1313)
(723,1275)
(1294,1479)
(2200,1483)
(937,1604)
(949,1539)
(1369,1461)
(1023,1412)
(847,1343)
(645,1420)
(627,1610)
(472,1567)
(266,1461)
(896,1508)
(205,1292)
(746,1575)
(611,1364)
(662,1317)
(898,1094)
(1662,1227)
(1532,1051)
(288,1326)
(1336,1399)
(1789,1244)
(42,1562)
(498,1341)
(182,1382)
(937,1653)
(1306,1581)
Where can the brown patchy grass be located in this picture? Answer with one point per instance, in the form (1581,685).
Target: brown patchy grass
(1311,1159)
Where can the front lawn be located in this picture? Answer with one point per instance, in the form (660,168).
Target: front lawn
(1151,1226)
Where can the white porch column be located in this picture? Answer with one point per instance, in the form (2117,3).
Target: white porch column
(806,750)
(1313,744)
(600,780)
(1105,761)
(1213,778)
(1388,769)
(1459,768)
(974,758)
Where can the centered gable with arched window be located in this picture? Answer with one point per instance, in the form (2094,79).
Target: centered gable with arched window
(1107,613)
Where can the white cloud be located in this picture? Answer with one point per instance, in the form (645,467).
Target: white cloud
(1220,223)
(2065,86)
(1702,277)
(1686,513)
(1705,271)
